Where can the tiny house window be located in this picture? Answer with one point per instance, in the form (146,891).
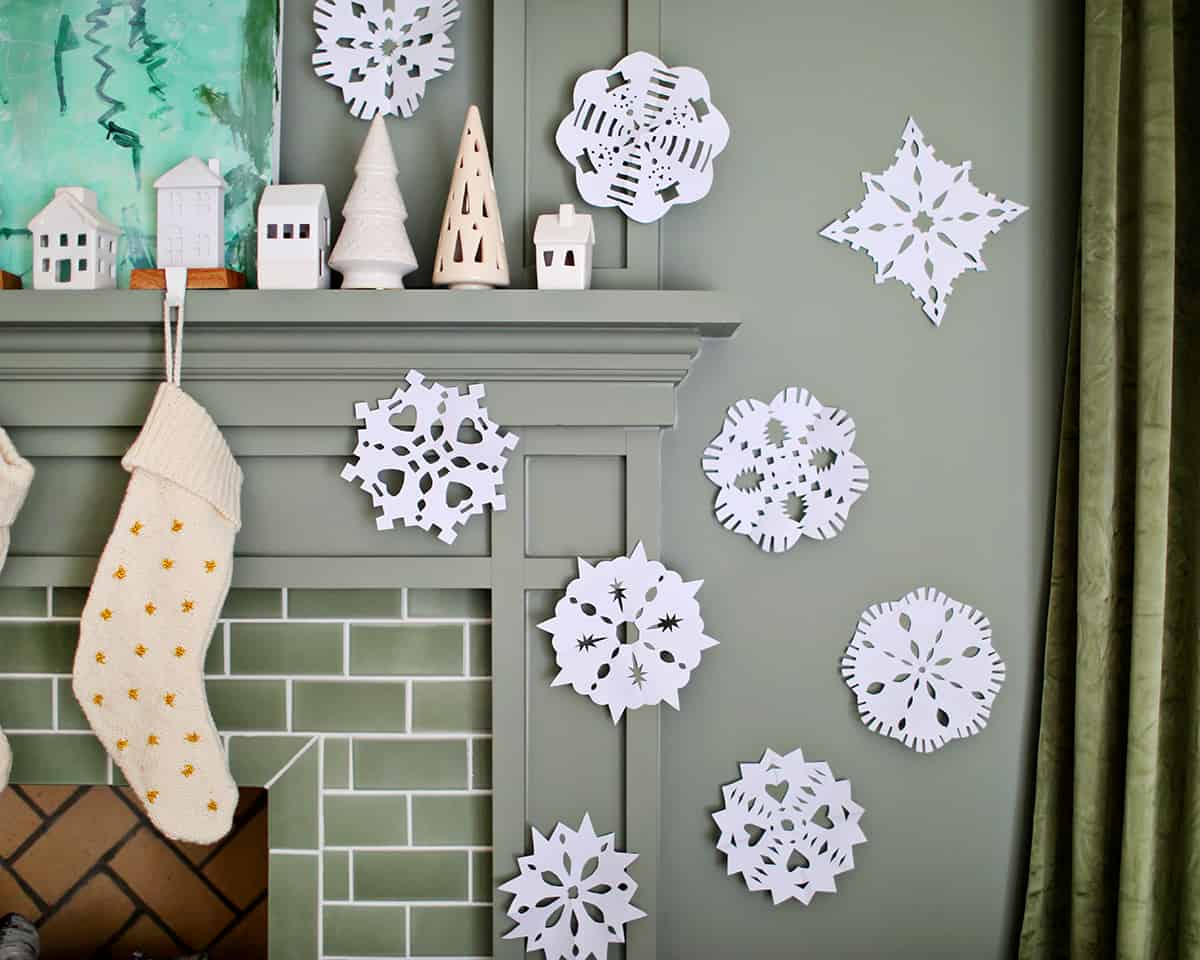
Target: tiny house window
(304,231)
(45,240)
(81,240)
(63,271)
(112,270)
(570,261)
(548,257)
(112,246)
(62,239)
(272,231)
(289,231)
(45,265)
(81,266)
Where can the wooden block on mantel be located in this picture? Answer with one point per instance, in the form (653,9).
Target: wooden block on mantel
(9,281)
(207,278)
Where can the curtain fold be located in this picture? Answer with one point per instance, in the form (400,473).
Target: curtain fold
(1115,860)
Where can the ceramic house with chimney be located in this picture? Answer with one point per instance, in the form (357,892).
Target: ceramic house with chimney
(191,215)
(293,237)
(74,244)
(564,242)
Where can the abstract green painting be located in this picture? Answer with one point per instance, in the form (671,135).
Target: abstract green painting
(110,94)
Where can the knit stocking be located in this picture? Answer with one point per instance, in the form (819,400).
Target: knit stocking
(150,616)
(16,474)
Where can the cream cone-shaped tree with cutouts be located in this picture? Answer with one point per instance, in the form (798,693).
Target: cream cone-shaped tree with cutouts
(373,251)
(470,250)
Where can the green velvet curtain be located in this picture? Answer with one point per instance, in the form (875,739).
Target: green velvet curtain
(1115,862)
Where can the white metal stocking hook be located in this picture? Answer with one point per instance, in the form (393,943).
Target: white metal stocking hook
(174,298)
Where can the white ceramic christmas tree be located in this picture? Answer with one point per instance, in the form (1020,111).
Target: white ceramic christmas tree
(373,251)
(470,250)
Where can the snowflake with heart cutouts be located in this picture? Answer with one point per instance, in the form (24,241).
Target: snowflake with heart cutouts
(573,895)
(438,470)
(785,469)
(788,827)
(627,633)
(642,136)
(923,669)
(923,222)
(381,53)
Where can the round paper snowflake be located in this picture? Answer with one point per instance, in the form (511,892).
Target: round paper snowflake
(628,633)
(441,465)
(573,895)
(381,53)
(788,827)
(923,222)
(785,469)
(642,136)
(923,669)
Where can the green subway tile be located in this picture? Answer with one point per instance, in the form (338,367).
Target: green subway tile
(451,706)
(346,706)
(292,907)
(27,703)
(364,932)
(248,704)
(254,761)
(337,874)
(449,603)
(70,713)
(366,821)
(57,758)
(22,601)
(410,875)
(410,764)
(252,604)
(451,931)
(410,649)
(337,763)
(69,601)
(295,805)
(343,604)
(452,821)
(214,660)
(285,648)
(481,876)
(481,764)
(481,649)
(38,647)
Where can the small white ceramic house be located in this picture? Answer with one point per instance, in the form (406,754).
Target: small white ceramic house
(191,215)
(564,243)
(293,237)
(74,245)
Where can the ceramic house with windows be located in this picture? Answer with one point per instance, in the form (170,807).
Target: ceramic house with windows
(564,243)
(293,237)
(74,244)
(191,215)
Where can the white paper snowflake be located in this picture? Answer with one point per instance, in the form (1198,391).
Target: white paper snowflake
(642,136)
(923,669)
(381,53)
(628,633)
(573,895)
(785,469)
(788,827)
(438,470)
(923,222)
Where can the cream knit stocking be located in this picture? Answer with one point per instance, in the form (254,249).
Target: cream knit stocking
(16,474)
(150,616)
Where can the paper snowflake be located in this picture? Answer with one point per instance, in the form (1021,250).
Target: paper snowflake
(785,469)
(438,470)
(573,895)
(788,827)
(923,669)
(381,53)
(642,136)
(628,633)
(923,222)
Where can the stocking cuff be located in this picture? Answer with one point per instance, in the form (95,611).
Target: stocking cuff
(16,474)
(180,443)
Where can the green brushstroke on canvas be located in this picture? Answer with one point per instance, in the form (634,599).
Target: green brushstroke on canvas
(64,43)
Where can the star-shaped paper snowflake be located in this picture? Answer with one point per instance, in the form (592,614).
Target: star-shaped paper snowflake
(923,222)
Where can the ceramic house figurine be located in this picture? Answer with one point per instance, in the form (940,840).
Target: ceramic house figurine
(74,244)
(564,243)
(293,238)
(191,215)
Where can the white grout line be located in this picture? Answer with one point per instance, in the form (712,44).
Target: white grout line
(466,649)
(400,848)
(408,705)
(287,703)
(408,931)
(404,603)
(320,829)
(302,677)
(350,874)
(288,852)
(470,764)
(346,649)
(54,721)
(408,804)
(403,903)
(470,876)
(49,601)
(291,763)
(415,792)
(284,604)
(228,650)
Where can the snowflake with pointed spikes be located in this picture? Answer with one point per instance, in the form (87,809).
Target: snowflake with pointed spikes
(381,53)
(573,895)
(923,669)
(785,469)
(627,633)
(788,827)
(437,471)
(923,222)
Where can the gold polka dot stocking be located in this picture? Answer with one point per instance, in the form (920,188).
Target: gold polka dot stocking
(16,474)
(150,616)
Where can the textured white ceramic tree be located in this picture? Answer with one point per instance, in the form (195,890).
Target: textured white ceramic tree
(470,250)
(373,251)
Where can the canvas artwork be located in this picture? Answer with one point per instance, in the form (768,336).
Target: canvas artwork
(111,94)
